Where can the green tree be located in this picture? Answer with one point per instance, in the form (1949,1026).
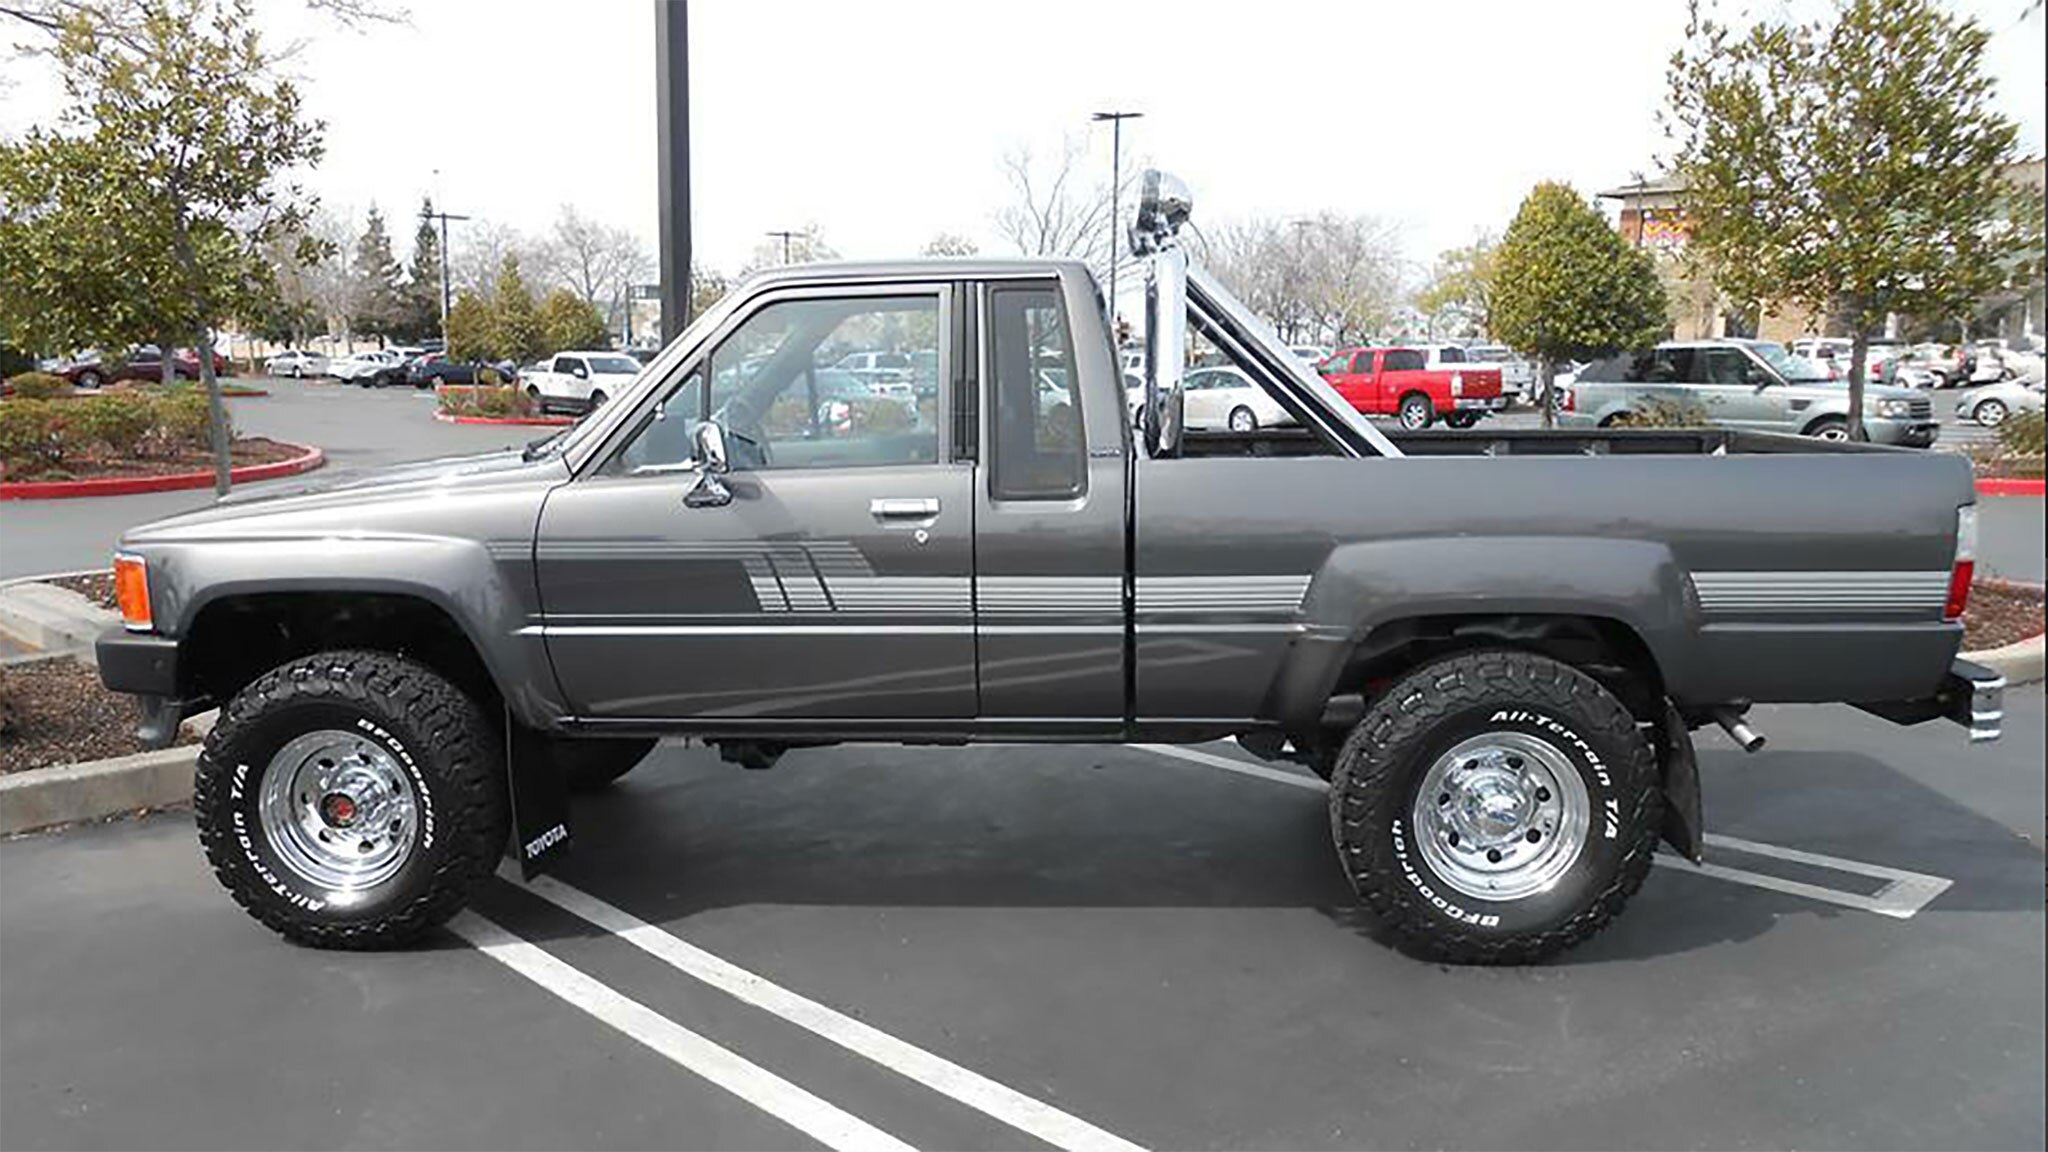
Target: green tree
(1566,287)
(147,212)
(568,321)
(380,297)
(471,334)
(1460,288)
(707,287)
(1851,165)
(515,323)
(421,311)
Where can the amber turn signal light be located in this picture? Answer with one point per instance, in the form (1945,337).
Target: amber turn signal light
(131,591)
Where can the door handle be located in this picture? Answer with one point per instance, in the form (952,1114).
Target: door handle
(904,508)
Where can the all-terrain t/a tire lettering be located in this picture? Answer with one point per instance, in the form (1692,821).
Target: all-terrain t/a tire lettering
(418,754)
(1586,826)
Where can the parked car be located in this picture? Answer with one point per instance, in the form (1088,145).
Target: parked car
(1756,384)
(1312,353)
(358,367)
(1496,656)
(1991,404)
(879,368)
(1227,399)
(296,364)
(578,381)
(392,375)
(435,369)
(1399,382)
(1517,376)
(143,364)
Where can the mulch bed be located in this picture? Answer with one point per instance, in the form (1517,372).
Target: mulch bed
(245,451)
(1992,464)
(2000,614)
(97,587)
(56,712)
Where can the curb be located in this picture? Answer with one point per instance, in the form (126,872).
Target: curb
(1997,486)
(306,461)
(2020,662)
(243,393)
(68,793)
(550,421)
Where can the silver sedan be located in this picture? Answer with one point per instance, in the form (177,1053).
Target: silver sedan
(1991,404)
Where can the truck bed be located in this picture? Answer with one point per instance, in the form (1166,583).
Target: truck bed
(1484,441)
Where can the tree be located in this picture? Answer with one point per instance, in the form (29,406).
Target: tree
(707,287)
(514,325)
(1053,211)
(950,244)
(1850,165)
(805,247)
(1460,288)
(567,321)
(1326,277)
(420,314)
(470,330)
(597,262)
(1567,287)
(379,298)
(149,212)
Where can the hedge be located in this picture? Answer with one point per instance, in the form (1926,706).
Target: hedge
(483,400)
(43,435)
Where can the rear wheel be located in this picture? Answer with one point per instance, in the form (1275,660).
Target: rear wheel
(597,399)
(1990,413)
(1462,419)
(351,799)
(1495,807)
(1242,420)
(1416,412)
(90,379)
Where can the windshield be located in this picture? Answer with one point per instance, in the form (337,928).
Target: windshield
(1795,369)
(614,365)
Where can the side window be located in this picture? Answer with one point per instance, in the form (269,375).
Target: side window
(1403,360)
(1362,364)
(773,388)
(1723,365)
(566,365)
(1669,366)
(1040,453)
(668,439)
(1451,356)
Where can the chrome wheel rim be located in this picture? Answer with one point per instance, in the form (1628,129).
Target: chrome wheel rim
(1991,413)
(1242,420)
(1414,415)
(339,811)
(1501,816)
(1834,432)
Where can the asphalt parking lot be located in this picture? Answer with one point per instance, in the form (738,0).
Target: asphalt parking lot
(1070,947)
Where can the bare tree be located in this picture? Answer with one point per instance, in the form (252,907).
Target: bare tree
(805,247)
(1327,277)
(1055,210)
(332,284)
(598,262)
(477,253)
(950,244)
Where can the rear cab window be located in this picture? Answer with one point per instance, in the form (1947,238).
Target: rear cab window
(1040,452)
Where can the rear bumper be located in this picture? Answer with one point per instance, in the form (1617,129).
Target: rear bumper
(1970,695)
(1479,403)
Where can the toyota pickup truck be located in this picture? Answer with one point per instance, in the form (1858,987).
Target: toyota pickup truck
(1499,678)
(1408,384)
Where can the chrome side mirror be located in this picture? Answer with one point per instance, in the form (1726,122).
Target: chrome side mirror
(713,464)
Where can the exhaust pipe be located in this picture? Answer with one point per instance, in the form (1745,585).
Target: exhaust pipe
(1745,737)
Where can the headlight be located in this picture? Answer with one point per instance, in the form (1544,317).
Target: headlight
(1895,409)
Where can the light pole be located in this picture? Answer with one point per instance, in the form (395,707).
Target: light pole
(785,237)
(444,218)
(1116,178)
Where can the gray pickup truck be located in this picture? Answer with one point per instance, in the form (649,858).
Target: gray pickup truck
(1494,644)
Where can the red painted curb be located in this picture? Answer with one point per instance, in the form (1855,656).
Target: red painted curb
(1993,486)
(306,461)
(551,421)
(235,393)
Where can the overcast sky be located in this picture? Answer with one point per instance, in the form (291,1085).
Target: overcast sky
(883,122)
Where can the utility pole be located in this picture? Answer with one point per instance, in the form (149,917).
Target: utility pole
(672,160)
(443,218)
(1116,179)
(785,237)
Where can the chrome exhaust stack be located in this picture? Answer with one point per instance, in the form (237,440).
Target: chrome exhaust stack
(1731,722)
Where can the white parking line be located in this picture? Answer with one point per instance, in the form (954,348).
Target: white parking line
(1905,894)
(1034,1117)
(736,1074)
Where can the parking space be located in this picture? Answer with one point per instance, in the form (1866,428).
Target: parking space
(1073,947)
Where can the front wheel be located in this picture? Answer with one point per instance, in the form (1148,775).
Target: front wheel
(351,799)
(1242,420)
(1990,413)
(1829,428)
(1417,412)
(597,399)
(90,379)
(1495,808)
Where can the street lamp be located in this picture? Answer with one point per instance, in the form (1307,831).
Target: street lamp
(444,218)
(785,237)
(1116,160)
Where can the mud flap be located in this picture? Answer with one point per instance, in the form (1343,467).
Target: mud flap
(540,799)
(1684,826)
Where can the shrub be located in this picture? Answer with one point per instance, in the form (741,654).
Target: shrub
(1665,412)
(490,378)
(116,423)
(2021,434)
(179,418)
(40,386)
(484,400)
(498,402)
(33,436)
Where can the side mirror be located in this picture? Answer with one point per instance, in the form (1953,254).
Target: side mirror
(713,464)
(580,372)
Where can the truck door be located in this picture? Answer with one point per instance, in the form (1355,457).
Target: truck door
(1049,508)
(836,583)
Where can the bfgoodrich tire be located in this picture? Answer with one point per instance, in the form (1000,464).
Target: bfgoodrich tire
(1495,808)
(351,799)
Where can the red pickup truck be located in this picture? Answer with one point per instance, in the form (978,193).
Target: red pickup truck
(1399,382)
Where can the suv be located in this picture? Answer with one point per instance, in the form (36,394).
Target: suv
(1753,384)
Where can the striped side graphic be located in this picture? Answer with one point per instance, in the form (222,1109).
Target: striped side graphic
(1049,595)
(1261,594)
(1752,593)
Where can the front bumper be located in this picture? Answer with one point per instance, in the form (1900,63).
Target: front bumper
(1902,433)
(145,665)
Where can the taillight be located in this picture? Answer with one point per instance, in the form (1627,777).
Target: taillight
(131,591)
(1965,570)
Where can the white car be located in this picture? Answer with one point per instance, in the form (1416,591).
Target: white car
(1516,376)
(579,381)
(1225,398)
(1314,354)
(1991,404)
(358,366)
(296,364)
